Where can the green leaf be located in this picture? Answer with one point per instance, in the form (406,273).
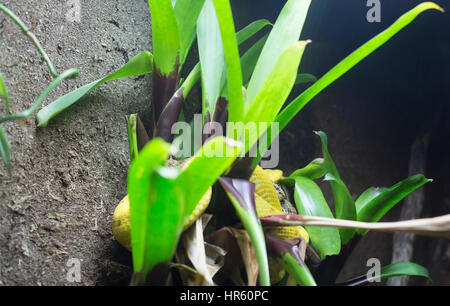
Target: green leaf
(211,53)
(250,58)
(250,30)
(187,13)
(70,73)
(288,256)
(205,167)
(374,203)
(5,149)
(162,198)
(404,268)
(132,136)
(232,60)
(285,32)
(4,92)
(166,42)
(345,65)
(242,196)
(392,270)
(343,200)
(155,226)
(275,91)
(212,58)
(314,170)
(140,64)
(310,201)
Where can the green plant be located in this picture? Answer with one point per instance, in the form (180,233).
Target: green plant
(58,78)
(248,89)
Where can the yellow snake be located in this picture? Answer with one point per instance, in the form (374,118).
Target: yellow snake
(267,204)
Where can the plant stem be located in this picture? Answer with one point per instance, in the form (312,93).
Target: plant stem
(132,137)
(32,37)
(25,114)
(299,272)
(190,81)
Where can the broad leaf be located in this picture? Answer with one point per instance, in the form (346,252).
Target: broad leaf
(285,32)
(162,198)
(374,203)
(274,92)
(166,42)
(211,55)
(187,13)
(310,201)
(392,270)
(343,200)
(138,65)
(155,226)
(314,170)
(242,196)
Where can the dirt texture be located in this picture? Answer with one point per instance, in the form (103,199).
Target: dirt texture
(67,178)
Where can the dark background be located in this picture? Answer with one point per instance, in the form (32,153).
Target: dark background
(373,114)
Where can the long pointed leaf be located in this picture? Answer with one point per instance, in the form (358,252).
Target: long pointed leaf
(310,201)
(350,61)
(70,73)
(250,58)
(374,203)
(187,13)
(154,224)
(250,30)
(140,64)
(392,270)
(166,42)
(232,60)
(285,32)
(343,200)
(211,55)
(275,90)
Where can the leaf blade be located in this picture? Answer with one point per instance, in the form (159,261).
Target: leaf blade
(4,92)
(187,13)
(350,61)
(5,149)
(285,32)
(374,203)
(138,65)
(144,207)
(343,200)
(165,37)
(310,201)
(232,60)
